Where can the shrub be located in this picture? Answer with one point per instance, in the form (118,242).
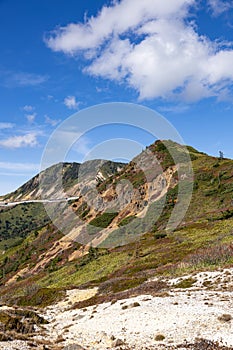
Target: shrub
(40,297)
(126,220)
(103,220)
(159,337)
(31,289)
(193,157)
(215,255)
(186,283)
(160,235)
(116,285)
(160,146)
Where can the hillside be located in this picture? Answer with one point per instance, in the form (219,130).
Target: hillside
(113,239)
(115,210)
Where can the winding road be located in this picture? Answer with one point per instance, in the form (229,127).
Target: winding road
(52,200)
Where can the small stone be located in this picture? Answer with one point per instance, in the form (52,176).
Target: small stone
(159,337)
(117,342)
(135,304)
(225,318)
(124,307)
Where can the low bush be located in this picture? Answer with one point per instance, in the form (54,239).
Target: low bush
(186,283)
(40,297)
(103,220)
(126,220)
(159,337)
(160,235)
(212,256)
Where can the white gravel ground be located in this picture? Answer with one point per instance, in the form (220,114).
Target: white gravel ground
(14,345)
(182,316)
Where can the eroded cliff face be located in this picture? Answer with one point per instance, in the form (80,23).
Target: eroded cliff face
(64,179)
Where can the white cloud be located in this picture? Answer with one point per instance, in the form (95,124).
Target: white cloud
(219,6)
(6,126)
(13,142)
(113,20)
(31,117)
(28,108)
(52,122)
(151,46)
(71,103)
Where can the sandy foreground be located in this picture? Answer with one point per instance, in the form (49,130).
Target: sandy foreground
(145,321)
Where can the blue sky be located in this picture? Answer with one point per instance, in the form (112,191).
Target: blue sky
(59,57)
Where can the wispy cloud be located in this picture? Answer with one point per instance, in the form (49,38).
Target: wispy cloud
(31,117)
(52,122)
(152,47)
(218,7)
(71,103)
(22,79)
(13,142)
(177,109)
(6,126)
(28,108)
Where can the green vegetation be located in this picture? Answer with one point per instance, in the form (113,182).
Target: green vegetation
(19,221)
(160,235)
(186,283)
(82,210)
(169,152)
(93,272)
(126,220)
(120,284)
(135,176)
(103,220)
(40,297)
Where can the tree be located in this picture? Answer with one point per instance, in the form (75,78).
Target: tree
(221,155)
(92,253)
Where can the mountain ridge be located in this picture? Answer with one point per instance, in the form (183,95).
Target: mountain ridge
(70,171)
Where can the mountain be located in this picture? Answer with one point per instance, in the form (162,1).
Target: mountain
(120,227)
(70,176)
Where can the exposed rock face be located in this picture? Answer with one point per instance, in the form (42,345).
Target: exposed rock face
(64,177)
